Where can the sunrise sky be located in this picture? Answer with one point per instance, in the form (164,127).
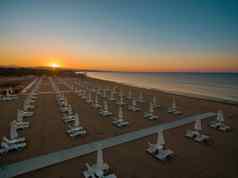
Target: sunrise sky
(127,35)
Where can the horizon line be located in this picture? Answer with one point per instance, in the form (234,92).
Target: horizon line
(106,70)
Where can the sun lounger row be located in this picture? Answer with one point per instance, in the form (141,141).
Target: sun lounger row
(196,133)
(70,119)
(159,151)
(15,141)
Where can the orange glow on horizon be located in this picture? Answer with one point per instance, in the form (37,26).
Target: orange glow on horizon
(54,65)
(126,62)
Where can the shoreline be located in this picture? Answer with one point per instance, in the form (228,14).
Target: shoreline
(189,95)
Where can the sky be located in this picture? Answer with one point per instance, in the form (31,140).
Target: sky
(125,35)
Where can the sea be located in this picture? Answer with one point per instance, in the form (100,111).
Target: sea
(216,86)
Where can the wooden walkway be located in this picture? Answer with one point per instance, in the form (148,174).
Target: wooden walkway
(50,159)
(29,86)
(48,92)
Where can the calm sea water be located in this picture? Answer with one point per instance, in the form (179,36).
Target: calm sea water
(218,85)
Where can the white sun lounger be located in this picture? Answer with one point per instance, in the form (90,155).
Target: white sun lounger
(97,106)
(158,150)
(70,117)
(65,109)
(14,141)
(219,123)
(173,108)
(133,108)
(161,154)
(74,129)
(104,112)
(28,107)
(120,123)
(78,133)
(25,113)
(201,138)
(98,170)
(11,147)
(195,134)
(220,126)
(150,115)
(147,115)
(154,101)
(22,125)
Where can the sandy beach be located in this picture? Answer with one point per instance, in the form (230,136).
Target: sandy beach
(47,135)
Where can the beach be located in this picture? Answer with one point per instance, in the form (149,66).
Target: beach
(47,135)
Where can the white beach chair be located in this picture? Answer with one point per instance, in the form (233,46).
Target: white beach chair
(121,93)
(96,103)
(28,106)
(154,101)
(121,101)
(63,103)
(129,95)
(104,93)
(112,98)
(104,112)
(150,115)
(84,94)
(158,150)
(6,147)
(114,90)
(22,113)
(78,133)
(219,123)
(98,170)
(98,92)
(32,97)
(70,117)
(76,129)
(141,98)
(66,109)
(14,137)
(173,108)
(89,99)
(133,107)
(20,123)
(196,134)
(120,122)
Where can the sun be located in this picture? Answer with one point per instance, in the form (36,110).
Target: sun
(54,65)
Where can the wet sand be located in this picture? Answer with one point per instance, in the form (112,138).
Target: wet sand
(128,160)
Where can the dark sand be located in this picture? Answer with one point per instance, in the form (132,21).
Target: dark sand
(47,134)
